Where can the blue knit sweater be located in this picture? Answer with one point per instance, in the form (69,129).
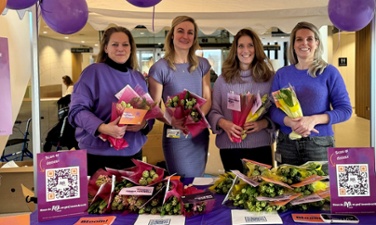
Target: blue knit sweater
(324,94)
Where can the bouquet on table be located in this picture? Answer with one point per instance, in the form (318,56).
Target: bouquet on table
(286,100)
(239,114)
(260,107)
(187,105)
(133,106)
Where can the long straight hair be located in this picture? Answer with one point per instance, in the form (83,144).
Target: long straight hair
(169,44)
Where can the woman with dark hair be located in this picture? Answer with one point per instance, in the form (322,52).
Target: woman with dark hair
(180,69)
(69,84)
(92,98)
(322,95)
(246,69)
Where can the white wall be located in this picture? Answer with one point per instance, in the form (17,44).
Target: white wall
(19,45)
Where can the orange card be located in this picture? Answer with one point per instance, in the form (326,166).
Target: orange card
(132,116)
(307,218)
(96,220)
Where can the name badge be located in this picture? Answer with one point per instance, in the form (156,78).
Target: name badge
(173,133)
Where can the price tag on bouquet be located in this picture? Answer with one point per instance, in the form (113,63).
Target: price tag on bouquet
(233,101)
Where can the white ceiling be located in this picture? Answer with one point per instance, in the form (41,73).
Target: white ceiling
(210,15)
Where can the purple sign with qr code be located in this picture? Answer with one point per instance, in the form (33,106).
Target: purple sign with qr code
(62,184)
(352,180)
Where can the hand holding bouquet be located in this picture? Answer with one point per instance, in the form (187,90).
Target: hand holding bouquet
(286,100)
(239,117)
(186,106)
(260,107)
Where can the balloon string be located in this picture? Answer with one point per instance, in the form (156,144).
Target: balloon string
(339,41)
(152,22)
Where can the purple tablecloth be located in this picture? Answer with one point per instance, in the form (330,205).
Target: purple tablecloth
(220,215)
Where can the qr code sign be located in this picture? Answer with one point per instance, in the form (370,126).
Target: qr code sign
(353,180)
(62,183)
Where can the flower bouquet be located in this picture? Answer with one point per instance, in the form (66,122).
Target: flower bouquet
(197,201)
(286,100)
(239,116)
(187,105)
(117,110)
(260,107)
(146,174)
(139,99)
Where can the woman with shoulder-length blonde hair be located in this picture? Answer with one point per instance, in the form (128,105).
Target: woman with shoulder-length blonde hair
(322,95)
(180,69)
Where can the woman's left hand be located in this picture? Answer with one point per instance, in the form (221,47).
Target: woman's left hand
(256,126)
(136,127)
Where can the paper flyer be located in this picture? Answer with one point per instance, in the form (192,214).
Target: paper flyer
(62,184)
(5,90)
(242,217)
(352,180)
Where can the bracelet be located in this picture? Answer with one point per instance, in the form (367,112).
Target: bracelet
(146,125)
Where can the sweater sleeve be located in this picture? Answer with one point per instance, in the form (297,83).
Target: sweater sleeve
(216,113)
(80,108)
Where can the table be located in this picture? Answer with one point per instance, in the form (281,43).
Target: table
(220,215)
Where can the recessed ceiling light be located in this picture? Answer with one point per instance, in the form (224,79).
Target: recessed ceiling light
(44,32)
(142,33)
(66,37)
(96,45)
(82,41)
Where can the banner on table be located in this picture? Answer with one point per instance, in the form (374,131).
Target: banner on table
(352,180)
(62,184)
(5,91)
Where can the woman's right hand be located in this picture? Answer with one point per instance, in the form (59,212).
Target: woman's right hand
(113,129)
(230,128)
(179,124)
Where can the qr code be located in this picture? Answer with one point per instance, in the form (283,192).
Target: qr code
(353,180)
(160,222)
(255,219)
(62,183)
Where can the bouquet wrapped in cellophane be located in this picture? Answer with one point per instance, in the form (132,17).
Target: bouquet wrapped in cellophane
(239,116)
(133,106)
(286,100)
(186,105)
(263,188)
(260,107)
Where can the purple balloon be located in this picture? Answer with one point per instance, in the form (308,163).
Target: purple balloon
(144,3)
(351,15)
(20,4)
(65,16)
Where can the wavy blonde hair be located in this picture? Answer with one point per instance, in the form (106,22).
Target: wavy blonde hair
(318,65)
(262,68)
(169,45)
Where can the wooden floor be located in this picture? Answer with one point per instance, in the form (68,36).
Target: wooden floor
(353,133)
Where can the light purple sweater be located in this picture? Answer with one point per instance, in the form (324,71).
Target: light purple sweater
(219,110)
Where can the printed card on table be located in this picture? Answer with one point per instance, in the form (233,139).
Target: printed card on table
(62,184)
(352,180)
(242,217)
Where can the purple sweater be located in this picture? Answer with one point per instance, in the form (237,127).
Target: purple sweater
(324,94)
(219,110)
(91,104)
